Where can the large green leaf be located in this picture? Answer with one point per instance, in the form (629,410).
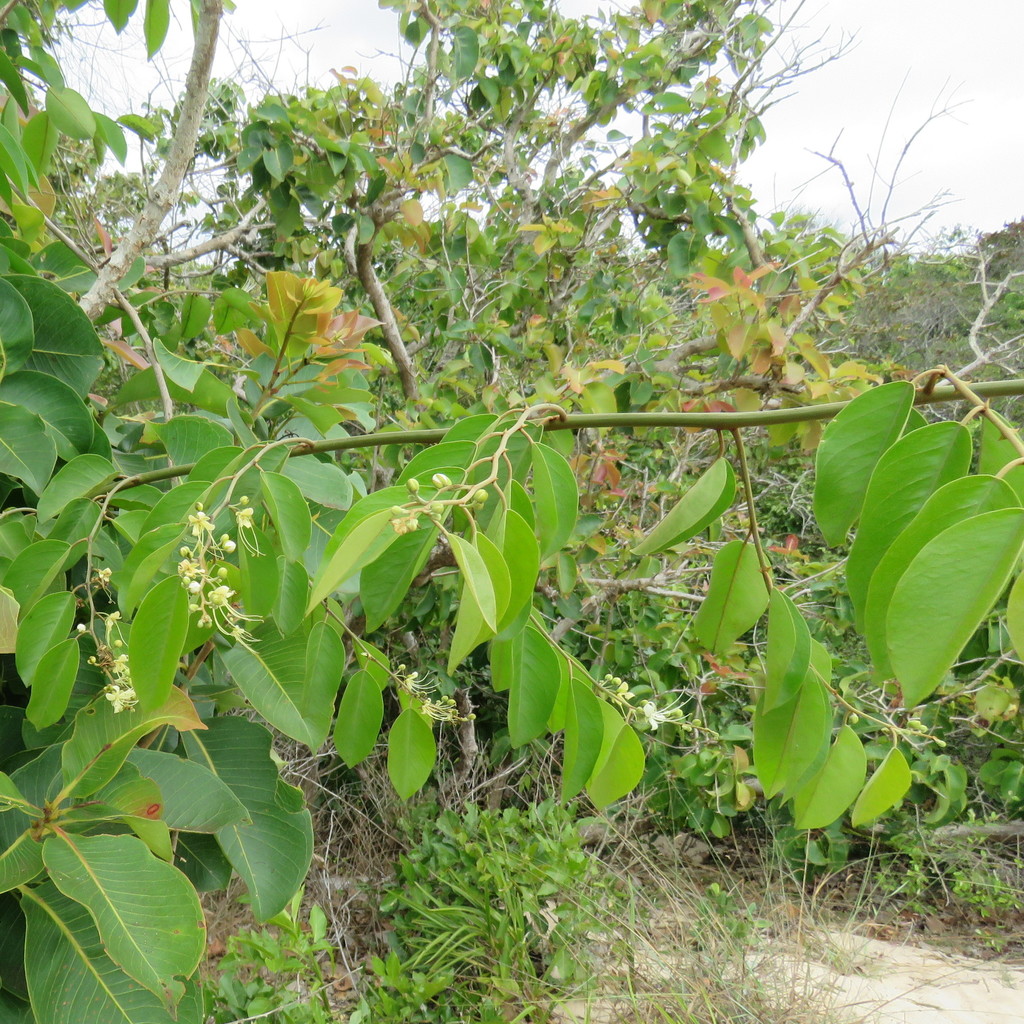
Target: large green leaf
(556,497)
(70,113)
(194,799)
(945,594)
(27,451)
(188,438)
(521,554)
(530,668)
(478,586)
(322,482)
(155,24)
(360,715)
(350,548)
(148,916)
(791,741)
(43,626)
(950,504)
(823,799)
(82,476)
(412,751)
(272,673)
(54,679)
(620,765)
(789,651)
(584,734)
(701,505)
(16,329)
(916,466)
(71,980)
(997,450)
(885,789)
(66,417)
(850,448)
(66,345)
(157,640)
(384,583)
(273,850)
(102,738)
(1015,615)
(736,598)
(288,512)
(33,571)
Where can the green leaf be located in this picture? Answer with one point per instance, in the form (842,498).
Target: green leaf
(322,482)
(700,506)
(736,598)
(822,800)
(1015,615)
(54,679)
(916,466)
(289,514)
(530,667)
(272,673)
(791,741)
(465,53)
(260,579)
(81,477)
(102,738)
(43,626)
(32,572)
(201,860)
(458,172)
(271,852)
(119,11)
(850,448)
(66,345)
(147,915)
(110,132)
(950,504)
(157,640)
(350,548)
(997,451)
(360,714)
(70,113)
(885,789)
(789,651)
(521,553)
(64,414)
(72,981)
(385,582)
(9,611)
(477,580)
(584,733)
(26,450)
(556,496)
(188,438)
(40,138)
(411,752)
(620,765)
(183,372)
(290,606)
(946,593)
(11,78)
(148,556)
(155,25)
(195,315)
(194,799)
(449,457)
(16,329)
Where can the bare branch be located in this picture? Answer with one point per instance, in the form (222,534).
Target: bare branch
(219,243)
(179,156)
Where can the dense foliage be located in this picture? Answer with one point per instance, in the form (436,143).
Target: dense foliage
(391,448)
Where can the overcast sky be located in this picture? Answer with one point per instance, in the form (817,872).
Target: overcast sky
(906,61)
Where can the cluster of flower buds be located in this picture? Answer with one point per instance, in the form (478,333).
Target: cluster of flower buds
(438,707)
(615,690)
(113,660)
(406,519)
(208,593)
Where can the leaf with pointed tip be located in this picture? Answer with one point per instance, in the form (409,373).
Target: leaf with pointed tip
(43,626)
(789,651)
(946,593)
(702,504)
(528,666)
(54,679)
(885,789)
(556,499)
(620,765)
(584,734)
(850,448)
(916,466)
(411,752)
(156,641)
(360,714)
(289,514)
(736,598)
(823,799)
(273,849)
(147,914)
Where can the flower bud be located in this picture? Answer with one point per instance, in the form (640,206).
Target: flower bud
(412,485)
(440,480)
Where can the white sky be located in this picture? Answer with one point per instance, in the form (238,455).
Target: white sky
(908,60)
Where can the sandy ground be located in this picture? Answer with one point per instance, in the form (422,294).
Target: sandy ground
(875,981)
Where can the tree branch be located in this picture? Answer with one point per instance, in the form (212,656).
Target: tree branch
(219,243)
(179,156)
